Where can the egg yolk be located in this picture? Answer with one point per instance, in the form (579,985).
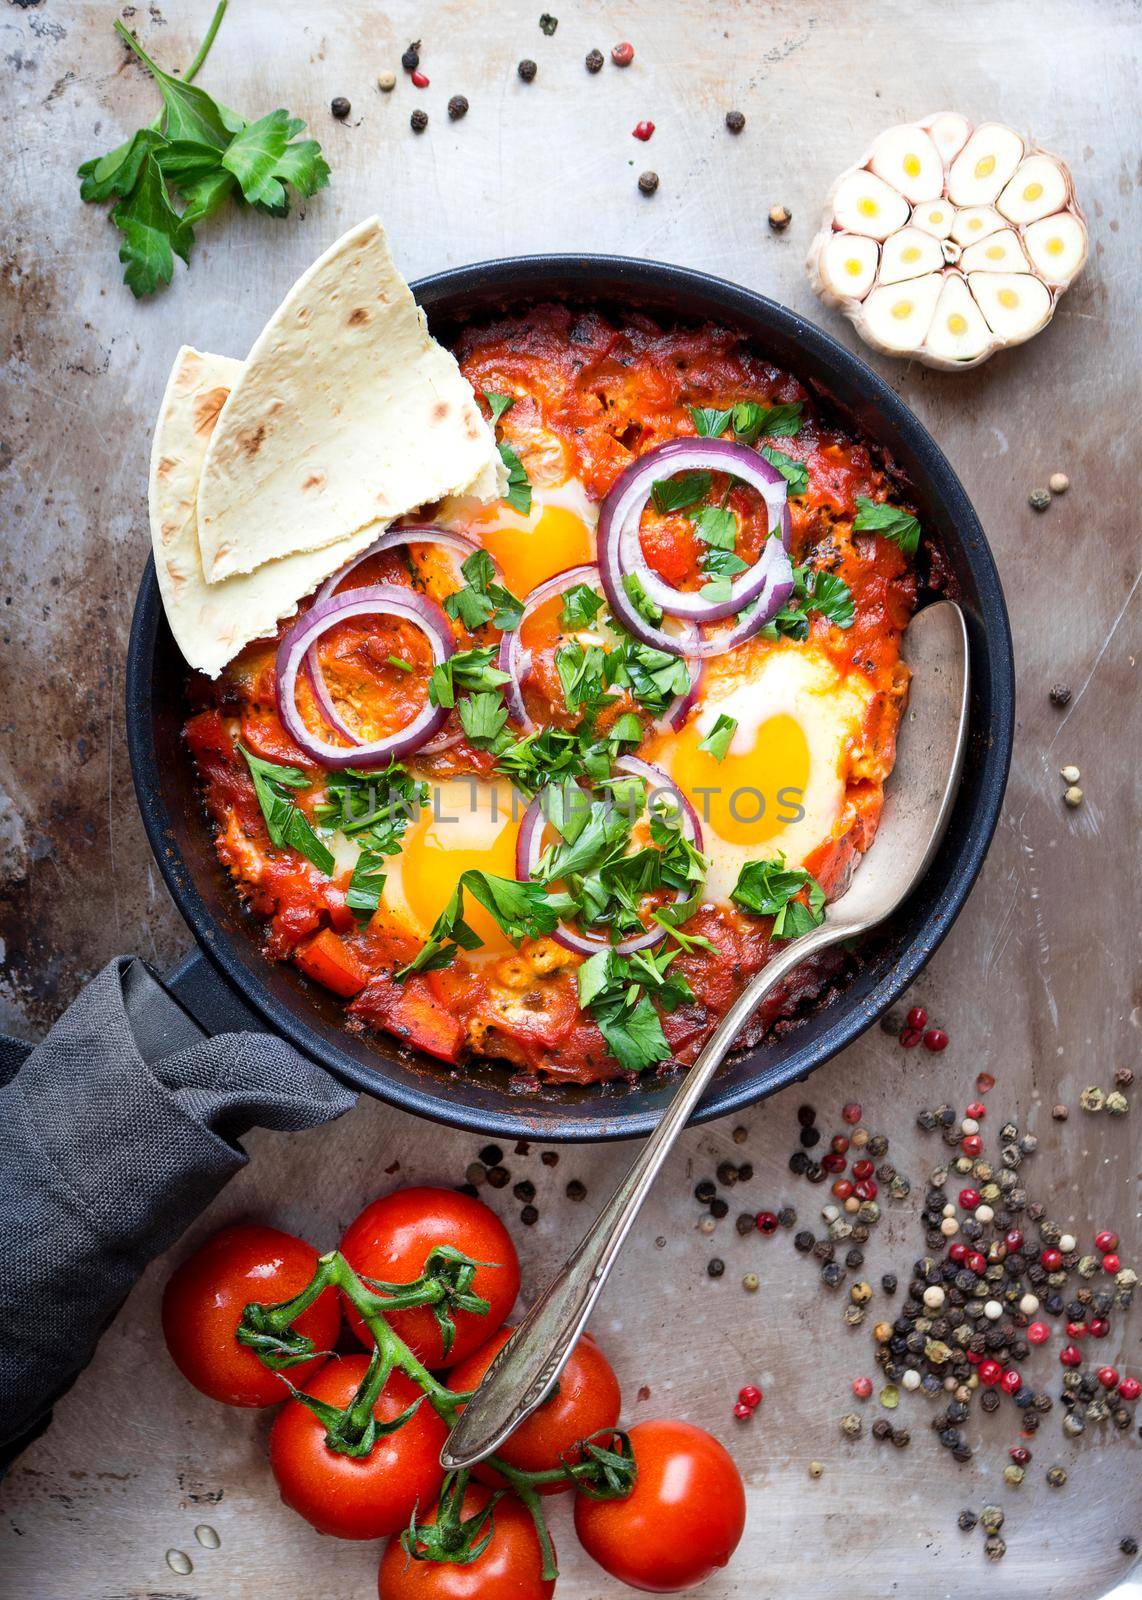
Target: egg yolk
(531,549)
(756,791)
(465,826)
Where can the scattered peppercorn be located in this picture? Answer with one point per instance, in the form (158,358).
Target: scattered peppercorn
(419,80)
(1129,1545)
(1058,483)
(498,1177)
(524,1190)
(994,1547)
(411,58)
(491,1155)
(1060,1113)
(548,23)
(386,82)
(648,182)
(967,1520)
(1092,1098)
(1060,694)
(340,107)
(779,218)
(1123,1077)
(527,70)
(745,1223)
(528,1216)
(751,1282)
(576,1190)
(1039,499)
(1117,1104)
(622,54)
(594,61)
(643,130)
(457,108)
(851,1426)
(715,1268)
(815,1469)
(1073,796)
(735,121)
(1056,1477)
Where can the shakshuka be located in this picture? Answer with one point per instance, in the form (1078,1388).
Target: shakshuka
(547,781)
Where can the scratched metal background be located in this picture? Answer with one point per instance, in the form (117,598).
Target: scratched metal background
(1039,981)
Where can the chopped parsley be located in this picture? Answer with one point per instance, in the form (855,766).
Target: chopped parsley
(522,910)
(880,517)
(287,825)
(482,599)
(616,990)
(795,473)
(468,670)
(709,423)
(813,590)
(581,605)
(771,889)
(681,492)
(482,716)
(518,495)
(649,610)
(718,740)
(750,420)
(373,808)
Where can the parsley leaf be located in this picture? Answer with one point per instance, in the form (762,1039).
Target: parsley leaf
(448,934)
(680,492)
(832,597)
(366,885)
(771,889)
(482,599)
(654,677)
(899,526)
(470,670)
(373,808)
(203,153)
(718,740)
(482,716)
(288,827)
(626,729)
(649,610)
(498,404)
(581,605)
(614,989)
(795,473)
(753,421)
(709,423)
(522,910)
(519,489)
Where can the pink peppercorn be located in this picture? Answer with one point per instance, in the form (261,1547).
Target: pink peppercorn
(976,1263)
(974,1358)
(935,1040)
(1111,1263)
(917,1018)
(990,1373)
(843,1189)
(1108,1377)
(1099,1327)
(1013,1240)
(1038,1333)
(1020,1455)
(1070,1356)
(866,1189)
(839,1144)
(969,1199)
(971,1144)
(766,1222)
(910,1038)
(419,80)
(1106,1240)
(862,1388)
(984,1082)
(1051,1259)
(863,1169)
(958,1253)
(1076,1330)
(742,1412)
(833,1162)
(750,1396)
(976,1110)
(622,54)
(853,1112)
(643,130)
(1129,1390)
(1011,1381)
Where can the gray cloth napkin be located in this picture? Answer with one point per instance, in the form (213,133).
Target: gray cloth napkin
(115,1133)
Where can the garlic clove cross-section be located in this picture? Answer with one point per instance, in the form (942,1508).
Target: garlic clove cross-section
(948,242)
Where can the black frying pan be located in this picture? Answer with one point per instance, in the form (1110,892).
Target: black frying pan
(235,979)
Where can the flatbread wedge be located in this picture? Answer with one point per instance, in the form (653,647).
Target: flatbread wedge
(212,622)
(348,413)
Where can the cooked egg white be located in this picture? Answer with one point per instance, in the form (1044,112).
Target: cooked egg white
(781,787)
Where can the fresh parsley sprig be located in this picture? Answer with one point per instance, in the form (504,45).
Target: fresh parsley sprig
(814,590)
(197,154)
(771,889)
(522,910)
(617,990)
(483,599)
(519,488)
(880,517)
(287,825)
(374,809)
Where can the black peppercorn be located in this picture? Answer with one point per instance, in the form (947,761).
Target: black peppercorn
(799,1163)
(550,1158)
(810,1136)
(548,24)
(418,121)
(787,1216)
(716,1267)
(648,182)
(719,1207)
(1129,1545)
(882,1429)
(967,1520)
(411,58)
(458,107)
(498,1177)
(806,1116)
(888,1283)
(831,1274)
(854,1258)
(527,70)
(746,1223)
(340,107)
(745,1172)
(735,121)
(727,1174)
(803,1241)
(815,1172)
(528,1216)
(576,1190)
(524,1190)
(705,1191)
(594,61)
(491,1155)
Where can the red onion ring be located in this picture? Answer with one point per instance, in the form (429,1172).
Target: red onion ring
(513,658)
(391,539)
(529,847)
(763,585)
(385,599)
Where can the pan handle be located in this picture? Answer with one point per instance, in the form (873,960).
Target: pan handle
(213,1002)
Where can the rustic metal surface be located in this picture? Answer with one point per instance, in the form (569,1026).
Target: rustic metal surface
(1039,981)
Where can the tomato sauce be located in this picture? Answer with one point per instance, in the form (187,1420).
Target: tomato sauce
(608,392)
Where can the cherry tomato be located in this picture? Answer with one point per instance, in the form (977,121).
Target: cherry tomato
(683,1518)
(392,1239)
(509,1569)
(353,1497)
(203,1304)
(586,1401)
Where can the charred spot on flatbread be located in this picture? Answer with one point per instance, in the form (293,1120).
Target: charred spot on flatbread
(356,318)
(206,409)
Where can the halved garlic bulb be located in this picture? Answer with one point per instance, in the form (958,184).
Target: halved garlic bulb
(983,166)
(848,266)
(1016,304)
(909,254)
(866,204)
(1057,247)
(906,158)
(946,243)
(1037,189)
(898,315)
(958,330)
(976,223)
(1002,252)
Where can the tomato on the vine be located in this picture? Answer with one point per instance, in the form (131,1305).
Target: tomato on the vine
(682,1519)
(586,1401)
(203,1304)
(392,1239)
(358,1497)
(510,1568)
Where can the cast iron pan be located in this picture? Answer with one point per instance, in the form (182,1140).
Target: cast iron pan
(236,979)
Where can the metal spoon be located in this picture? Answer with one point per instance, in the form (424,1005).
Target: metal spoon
(917,804)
